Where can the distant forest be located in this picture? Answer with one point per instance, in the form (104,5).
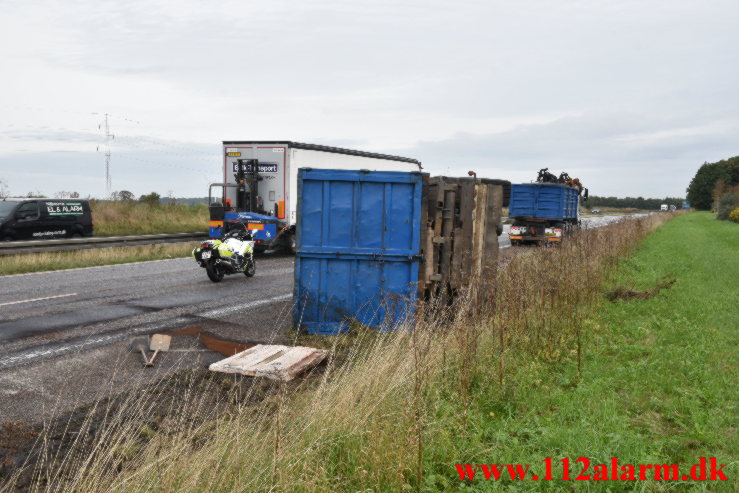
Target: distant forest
(632,202)
(187,200)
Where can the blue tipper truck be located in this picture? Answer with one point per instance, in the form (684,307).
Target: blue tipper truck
(543,212)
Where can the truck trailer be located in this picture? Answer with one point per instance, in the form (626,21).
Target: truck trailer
(260,184)
(543,213)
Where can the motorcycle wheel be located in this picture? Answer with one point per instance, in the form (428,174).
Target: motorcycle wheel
(214,271)
(251,269)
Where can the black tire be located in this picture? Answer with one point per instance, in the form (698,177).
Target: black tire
(215,271)
(8,238)
(251,269)
(290,245)
(76,235)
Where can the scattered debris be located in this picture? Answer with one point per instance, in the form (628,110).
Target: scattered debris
(159,343)
(139,345)
(622,293)
(210,341)
(272,361)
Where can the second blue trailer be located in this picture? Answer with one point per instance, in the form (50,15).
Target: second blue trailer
(543,212)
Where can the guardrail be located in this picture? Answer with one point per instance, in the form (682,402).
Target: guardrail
(16,247)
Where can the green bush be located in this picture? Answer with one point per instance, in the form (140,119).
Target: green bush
(726,204)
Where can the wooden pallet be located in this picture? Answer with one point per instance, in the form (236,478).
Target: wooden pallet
(271,361)
(460,239)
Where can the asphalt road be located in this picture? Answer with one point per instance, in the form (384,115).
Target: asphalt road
(64,332)
(65,335)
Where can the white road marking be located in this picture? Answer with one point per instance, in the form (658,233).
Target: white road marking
(127,264)
(38,299)
(87,343)
(105,339)
(218,312)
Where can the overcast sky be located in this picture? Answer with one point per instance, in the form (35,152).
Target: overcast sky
(631,96)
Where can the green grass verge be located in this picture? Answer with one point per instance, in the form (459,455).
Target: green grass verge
(659,383)
(37,262)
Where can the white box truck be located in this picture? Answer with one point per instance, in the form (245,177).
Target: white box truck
(260,184)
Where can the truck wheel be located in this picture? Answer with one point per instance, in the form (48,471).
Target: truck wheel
(292,244)
(214,271)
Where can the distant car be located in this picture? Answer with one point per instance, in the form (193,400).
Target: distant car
(595,211)
(664,207)
(40,219)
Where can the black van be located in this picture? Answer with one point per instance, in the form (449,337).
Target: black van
(39,219)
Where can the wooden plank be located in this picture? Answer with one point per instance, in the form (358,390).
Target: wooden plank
(271,361)
(463,240)
(479,230)
(447,228)
(495,208)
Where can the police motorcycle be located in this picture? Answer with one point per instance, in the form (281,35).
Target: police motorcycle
(232,254)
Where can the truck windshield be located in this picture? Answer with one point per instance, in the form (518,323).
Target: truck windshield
(6,207)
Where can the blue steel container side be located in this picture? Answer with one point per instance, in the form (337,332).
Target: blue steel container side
(358,248)
(543,201)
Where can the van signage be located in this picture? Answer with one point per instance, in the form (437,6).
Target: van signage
(261,167)
(40,234)
(64,208)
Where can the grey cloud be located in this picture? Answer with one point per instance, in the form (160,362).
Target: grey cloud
(593,145)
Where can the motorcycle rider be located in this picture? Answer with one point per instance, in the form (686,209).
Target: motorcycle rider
(238,231)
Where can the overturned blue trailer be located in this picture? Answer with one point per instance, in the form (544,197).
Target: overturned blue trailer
(371,243)
(359,247)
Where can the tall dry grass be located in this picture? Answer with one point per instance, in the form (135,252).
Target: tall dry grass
(388,408)
(113,218)
(46,261)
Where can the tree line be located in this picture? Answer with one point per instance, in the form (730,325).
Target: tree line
(715,185)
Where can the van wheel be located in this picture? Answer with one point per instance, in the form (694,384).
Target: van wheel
(76,235)
(8,238)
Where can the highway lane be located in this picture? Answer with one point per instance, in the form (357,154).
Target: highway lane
(65,305)
(64,336)
(42,308)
